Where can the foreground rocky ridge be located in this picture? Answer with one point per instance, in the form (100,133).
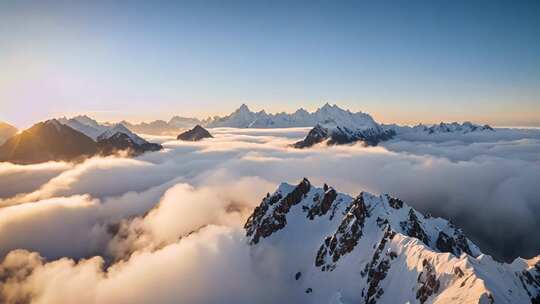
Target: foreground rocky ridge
(376,249)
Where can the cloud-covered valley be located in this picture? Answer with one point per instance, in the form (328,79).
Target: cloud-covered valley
(174,218)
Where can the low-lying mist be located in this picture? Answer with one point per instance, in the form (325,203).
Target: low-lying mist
(91,230)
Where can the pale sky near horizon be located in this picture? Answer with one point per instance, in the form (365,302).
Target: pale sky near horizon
(401,61)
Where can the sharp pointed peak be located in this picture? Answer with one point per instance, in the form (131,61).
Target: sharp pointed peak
(243,107)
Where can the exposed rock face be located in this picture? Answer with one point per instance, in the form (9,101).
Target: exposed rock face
(376,249)
(322,206)
(271,215)
(428,282)
(377,269)
(530,280)
(413,228)
(457,244)
(47,141)
(316,135)
(345,238)
(195,134)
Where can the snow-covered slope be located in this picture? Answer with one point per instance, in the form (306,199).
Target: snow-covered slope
(366,130)
(96,131)
(120,128)
(376,249)
(85,125)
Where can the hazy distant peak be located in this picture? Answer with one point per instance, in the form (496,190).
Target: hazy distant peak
(244,118)
(243,108)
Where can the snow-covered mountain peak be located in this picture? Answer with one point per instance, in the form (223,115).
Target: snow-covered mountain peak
(96,131)
(377,249)
(55,123)
(243,109)
(364,129)
(244,118)
(85,125)
(121,129)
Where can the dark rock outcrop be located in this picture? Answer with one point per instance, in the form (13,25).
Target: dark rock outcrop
(378,268)
(428,282)
(322,206)
(413,228)
(316,135)
(345,238)
(456,244)
(342,135)
(195,134)
(122,142)
(260,224)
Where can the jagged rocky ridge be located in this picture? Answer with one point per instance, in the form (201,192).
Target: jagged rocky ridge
(377,249)
(195,134)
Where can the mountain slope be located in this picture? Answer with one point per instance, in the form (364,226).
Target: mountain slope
(111,138)
(120,141)
(334,134)
(195,134)
(120,128)
(6,131)
(85,125)
(46,141)
(55,141)
(376,249)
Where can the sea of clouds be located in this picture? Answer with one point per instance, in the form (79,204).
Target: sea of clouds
(167,226)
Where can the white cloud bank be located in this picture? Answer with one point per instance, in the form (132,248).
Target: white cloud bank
(168,225)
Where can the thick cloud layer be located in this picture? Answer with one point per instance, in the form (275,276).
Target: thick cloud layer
(169,224)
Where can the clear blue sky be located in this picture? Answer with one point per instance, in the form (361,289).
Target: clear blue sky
(402,61)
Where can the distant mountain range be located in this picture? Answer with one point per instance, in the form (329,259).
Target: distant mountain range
(376,249)
(71,140)
(330,123)
(328,116)
(244,118)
